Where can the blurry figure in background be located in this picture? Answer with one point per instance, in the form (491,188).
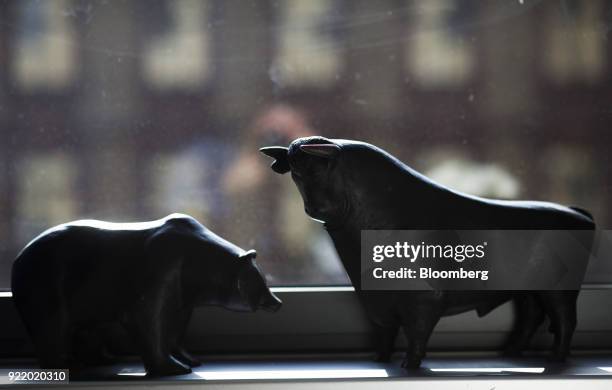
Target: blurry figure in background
(459,171)
(486,180)
(265,211)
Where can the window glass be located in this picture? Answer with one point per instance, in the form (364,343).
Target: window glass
(45,46)
(575,42)
(309,51)
(46,192)
(178,56)
(129,111)
(439,50)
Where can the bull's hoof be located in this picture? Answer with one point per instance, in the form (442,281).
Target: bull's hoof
(411,363)
(557,357)
(382,357)
(512,352)
(170,367)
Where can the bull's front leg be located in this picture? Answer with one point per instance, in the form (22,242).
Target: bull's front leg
(385,342)
(418,327)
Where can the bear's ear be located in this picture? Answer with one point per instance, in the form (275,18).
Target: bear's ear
(249,255)
(279,154)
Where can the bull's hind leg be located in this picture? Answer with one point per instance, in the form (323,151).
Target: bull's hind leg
(529,316)
(560,307)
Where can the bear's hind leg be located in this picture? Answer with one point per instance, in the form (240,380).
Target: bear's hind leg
(90,347)
(51,336)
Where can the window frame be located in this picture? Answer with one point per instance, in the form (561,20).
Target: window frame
(319,321)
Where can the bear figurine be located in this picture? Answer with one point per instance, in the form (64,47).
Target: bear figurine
(147,276)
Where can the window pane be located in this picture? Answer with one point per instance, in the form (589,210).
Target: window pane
(128,111)
(45,47)
(575,42)
(46,193)
(439,51)
(178,56)
(309,47)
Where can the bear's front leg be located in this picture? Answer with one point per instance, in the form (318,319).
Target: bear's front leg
(185,357)
(178,350)
(154,323)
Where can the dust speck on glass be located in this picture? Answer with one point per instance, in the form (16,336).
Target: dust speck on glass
(128,111)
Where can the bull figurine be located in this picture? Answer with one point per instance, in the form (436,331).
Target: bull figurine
(352,186)
(77,277)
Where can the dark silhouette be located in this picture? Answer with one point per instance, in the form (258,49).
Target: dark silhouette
(149,276)
(353,186)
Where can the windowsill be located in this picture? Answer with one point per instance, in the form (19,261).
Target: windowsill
(331,320)
(360,371)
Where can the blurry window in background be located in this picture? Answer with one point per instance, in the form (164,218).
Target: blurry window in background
(309,51)
(571,170)
(575,41)
(178,56)
(46,193)
(438,53)
(45,47)
(181,181)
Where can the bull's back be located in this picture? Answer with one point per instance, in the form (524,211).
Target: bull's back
(471,212)
(537,215)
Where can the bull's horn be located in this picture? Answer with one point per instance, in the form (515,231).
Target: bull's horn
(279,154)
(250,254)
(275,152)
(321,150)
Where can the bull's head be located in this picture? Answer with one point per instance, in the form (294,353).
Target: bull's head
(314,163)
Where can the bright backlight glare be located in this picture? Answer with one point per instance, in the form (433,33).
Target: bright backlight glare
(531,370)
(292,374)
(282,374)
(311,289)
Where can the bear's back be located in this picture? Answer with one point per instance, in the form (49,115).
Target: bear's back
(92,267)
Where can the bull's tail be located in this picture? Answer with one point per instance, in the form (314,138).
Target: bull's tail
(584,213)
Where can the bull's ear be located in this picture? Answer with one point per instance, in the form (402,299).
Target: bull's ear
(248,255)
(279,154)
(321,150)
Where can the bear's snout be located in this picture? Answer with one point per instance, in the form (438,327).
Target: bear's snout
(271,303)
